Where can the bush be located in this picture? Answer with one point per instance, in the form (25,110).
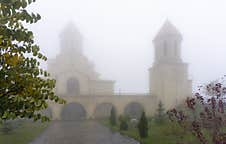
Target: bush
(206,118)
(124,125)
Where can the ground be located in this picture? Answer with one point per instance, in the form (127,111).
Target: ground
(83,132)
(24,134)
(92,132)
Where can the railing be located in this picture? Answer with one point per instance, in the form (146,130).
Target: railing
(113,95)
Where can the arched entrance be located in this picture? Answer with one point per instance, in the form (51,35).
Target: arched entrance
(73,87)
(103,110)
(73,112)
(134,110)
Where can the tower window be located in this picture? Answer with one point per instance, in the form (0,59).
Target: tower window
(175,48)
(165,48)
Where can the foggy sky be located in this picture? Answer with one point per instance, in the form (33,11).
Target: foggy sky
(118,35)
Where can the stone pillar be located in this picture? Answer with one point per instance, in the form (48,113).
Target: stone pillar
(90,111)
(56,111)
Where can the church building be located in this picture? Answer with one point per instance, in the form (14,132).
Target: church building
(88,95)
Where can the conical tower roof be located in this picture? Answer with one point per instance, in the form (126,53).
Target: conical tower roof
(71,29)
(168,30)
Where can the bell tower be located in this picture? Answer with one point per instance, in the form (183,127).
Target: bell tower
(169,74)
(71,41)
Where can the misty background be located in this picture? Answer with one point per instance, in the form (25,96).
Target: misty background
(118,34)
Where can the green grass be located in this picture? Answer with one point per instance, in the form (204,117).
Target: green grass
(23,134)
(165,133)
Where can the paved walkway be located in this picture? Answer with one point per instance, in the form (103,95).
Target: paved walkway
(86,132)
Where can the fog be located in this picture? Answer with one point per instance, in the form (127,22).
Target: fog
(118,35)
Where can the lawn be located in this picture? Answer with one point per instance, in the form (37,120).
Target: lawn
(165,133)
(24,133)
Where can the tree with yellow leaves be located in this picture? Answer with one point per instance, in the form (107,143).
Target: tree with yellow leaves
(25,88)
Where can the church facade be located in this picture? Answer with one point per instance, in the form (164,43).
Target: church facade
(79,84)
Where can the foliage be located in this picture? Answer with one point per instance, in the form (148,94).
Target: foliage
(143,126)
(113,118)
(209,125)
(25,88)
(160,116)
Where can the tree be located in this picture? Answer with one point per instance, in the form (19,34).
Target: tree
(25,88)
(113,118)
(208,125)
(160,113)
(123,123)
(143,126)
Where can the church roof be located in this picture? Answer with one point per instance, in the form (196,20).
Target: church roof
(70,28)
(71,32)
(167,30)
